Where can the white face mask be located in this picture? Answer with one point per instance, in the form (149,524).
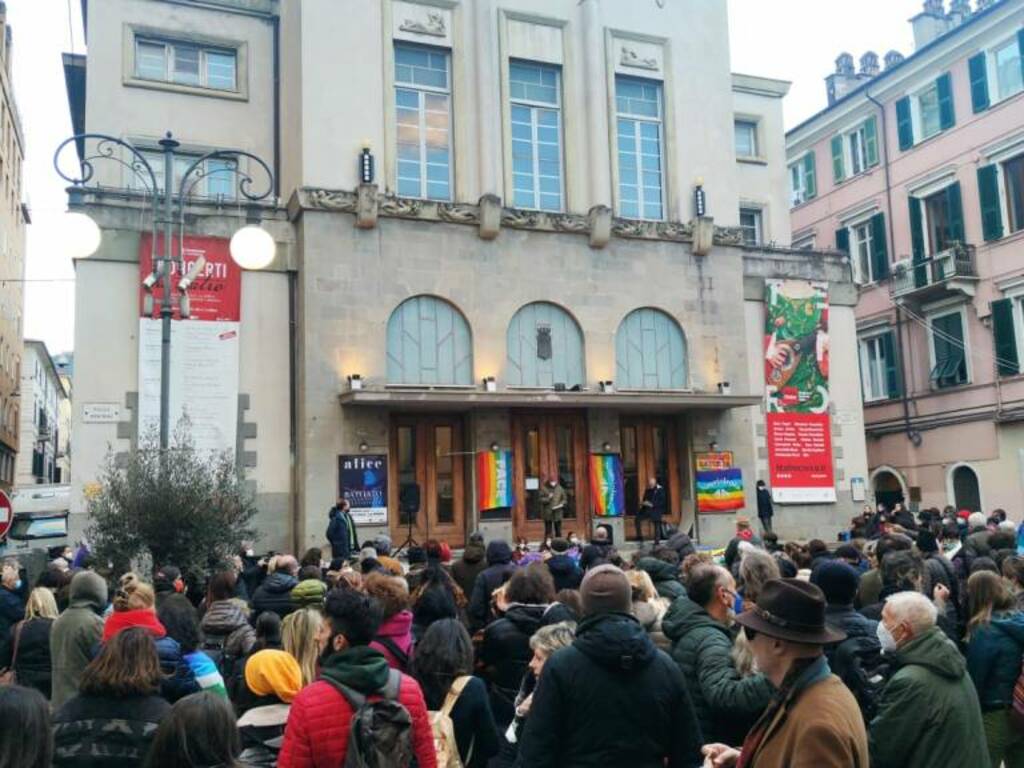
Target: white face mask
(886,639)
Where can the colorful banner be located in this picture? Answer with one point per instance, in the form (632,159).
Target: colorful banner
(606,485)
(713,460)
(720,490)
(216,292)
(363,480)
(493,479)
(796,358)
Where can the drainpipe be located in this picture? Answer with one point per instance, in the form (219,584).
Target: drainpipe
(912,434)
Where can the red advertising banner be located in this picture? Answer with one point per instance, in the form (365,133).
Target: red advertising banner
(215,294)
(800,455)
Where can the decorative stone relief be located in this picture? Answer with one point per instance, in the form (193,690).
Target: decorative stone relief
(630,58)
(517,219)
(433,25)
(331,200)
(629,228)
(675,230)
(569,222)
(728,236)
(458,213)
(401,206)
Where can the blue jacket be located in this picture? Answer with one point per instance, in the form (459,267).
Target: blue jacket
(994,659)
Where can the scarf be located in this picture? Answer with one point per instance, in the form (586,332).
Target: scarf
(140,617)
(360,668)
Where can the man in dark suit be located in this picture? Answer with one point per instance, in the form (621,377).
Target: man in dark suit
(653,507)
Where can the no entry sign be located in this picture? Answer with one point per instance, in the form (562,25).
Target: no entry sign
(6,515)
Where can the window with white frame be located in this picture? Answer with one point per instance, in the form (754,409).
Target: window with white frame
(216,179)
(1013,187)
(803,243)
(948,349)
(746,138)
(878,366)
(861,245)
(1006,69)
(802,180)
(928,120)
(182,63)
(423,122)
(639,115)
(751,226)
(857,150)
(535,93)
(937,222)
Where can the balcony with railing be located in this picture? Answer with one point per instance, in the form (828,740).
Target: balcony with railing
(951,270)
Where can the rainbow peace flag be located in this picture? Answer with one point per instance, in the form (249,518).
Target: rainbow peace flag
(720,490)
(606,485)
(493,479)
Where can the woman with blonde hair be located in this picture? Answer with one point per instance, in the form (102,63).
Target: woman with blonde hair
(648,608)
(995,643)
(756,569)
(300,632)
(27,650)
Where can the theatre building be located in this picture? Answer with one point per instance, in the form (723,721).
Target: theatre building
(525,240)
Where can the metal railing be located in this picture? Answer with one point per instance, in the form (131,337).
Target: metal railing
(957,261)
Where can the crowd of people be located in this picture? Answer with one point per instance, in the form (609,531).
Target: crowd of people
(900,646)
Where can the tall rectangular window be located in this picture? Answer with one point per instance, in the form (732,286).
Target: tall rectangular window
(937,213)
(1013,173)
(1006,60)
(929,119)
(216,179)
(423,115)
(535,96)
(862,252)
(948,350)
(875,366)
(750,224)
(186,64)
(746,138)
(858,151)
(641,168)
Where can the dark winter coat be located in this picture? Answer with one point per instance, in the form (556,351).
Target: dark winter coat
(106,732)
(468,567)
(75,634)
(32,667)
(726,704)
(565,572)
(505,652)
(274,594)
(262,732)
(499,570)
(977,544)
(658,503)
(12,610)
(764,504)
(993,659)
(611,699)
(341,533)
(664,575)
(474,724)
(852,623)
(928,713)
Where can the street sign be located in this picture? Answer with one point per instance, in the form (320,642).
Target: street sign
(6,515)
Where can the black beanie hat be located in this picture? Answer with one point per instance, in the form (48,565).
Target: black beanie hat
(838,580)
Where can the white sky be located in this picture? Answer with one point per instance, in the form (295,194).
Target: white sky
(795,40)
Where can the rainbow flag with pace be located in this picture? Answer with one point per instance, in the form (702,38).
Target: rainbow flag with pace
(494,479)
(606,485)
(720,490)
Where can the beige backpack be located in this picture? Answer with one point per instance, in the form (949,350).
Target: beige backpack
(441,724)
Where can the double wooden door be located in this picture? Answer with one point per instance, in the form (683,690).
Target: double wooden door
(649,448)
(549,445)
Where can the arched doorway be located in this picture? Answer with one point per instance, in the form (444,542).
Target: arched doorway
(966,490)
(887,488)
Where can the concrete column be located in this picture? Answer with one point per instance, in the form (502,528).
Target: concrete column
(598,150)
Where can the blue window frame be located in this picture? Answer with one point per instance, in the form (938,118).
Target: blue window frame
(535,107)
(639,116)
(423,116)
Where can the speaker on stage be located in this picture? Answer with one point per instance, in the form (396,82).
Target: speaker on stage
(408,508)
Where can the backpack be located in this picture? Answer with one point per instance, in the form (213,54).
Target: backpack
(445,747)
(400,656)
(380,735)
(860,664)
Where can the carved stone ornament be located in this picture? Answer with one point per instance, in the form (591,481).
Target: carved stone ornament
(517,219)
(675,230)
(630,58)
(630,228)
(728,236)
(332,200)
(569,222)
(434,25)
(458,213)
(401,206)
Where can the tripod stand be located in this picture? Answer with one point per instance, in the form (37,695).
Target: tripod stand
(410,541)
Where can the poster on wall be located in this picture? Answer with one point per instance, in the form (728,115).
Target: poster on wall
(796,364)
(204,375)
(494,480)
(363,480)
(606,488)
(713,460)
(720,490)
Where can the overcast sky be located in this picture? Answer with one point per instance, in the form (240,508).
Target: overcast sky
(795,40)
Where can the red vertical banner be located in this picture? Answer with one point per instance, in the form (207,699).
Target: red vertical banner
(216,292)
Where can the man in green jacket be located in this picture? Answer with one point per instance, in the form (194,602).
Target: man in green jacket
(698,626)
(75,634)
(928,713)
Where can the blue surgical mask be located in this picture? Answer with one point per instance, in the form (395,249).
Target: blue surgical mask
(17,585)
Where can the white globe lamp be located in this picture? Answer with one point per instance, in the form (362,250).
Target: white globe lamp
(252,247)
(80,234)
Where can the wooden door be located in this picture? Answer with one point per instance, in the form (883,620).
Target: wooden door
(547,444)
(649,448)
(426,453)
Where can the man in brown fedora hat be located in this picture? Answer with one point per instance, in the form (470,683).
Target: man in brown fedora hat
(813,719)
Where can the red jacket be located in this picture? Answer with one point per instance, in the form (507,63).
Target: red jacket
(316,735)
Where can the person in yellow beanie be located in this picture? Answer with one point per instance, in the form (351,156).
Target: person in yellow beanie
(272,680)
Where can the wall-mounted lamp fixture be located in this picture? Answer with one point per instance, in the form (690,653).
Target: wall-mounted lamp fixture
(724,388)
(607,386)
(490,385)
(495,447)
(364,447)
(355,382)
(606,447)
(366,163)
(713,446)
(699,199)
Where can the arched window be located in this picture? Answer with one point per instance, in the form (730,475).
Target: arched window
(429,342)
(650,351)
(545,347)
(966,492)
(887,488)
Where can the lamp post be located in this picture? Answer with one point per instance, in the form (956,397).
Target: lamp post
(164,201)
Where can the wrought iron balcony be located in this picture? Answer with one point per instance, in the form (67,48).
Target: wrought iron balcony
(950,270)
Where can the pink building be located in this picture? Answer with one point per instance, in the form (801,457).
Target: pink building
(917,171)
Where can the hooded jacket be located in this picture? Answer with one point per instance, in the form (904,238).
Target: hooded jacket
(664,575)
(565,572)
(75,634)
(468,567)
(928,713)
(993,659)
(499,570)
(275,594)
(320,717)
(726,704)
(611,698)
(225,625)
(396,630)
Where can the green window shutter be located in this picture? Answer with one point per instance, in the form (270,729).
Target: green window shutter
(956,213)
(904,123)
(1005,338)
(871,141)
(892,368)
(843,240)
(977,67)
(991,211)
(810,182)
(917,242)
(947,115)
(837,158)
(879,252)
